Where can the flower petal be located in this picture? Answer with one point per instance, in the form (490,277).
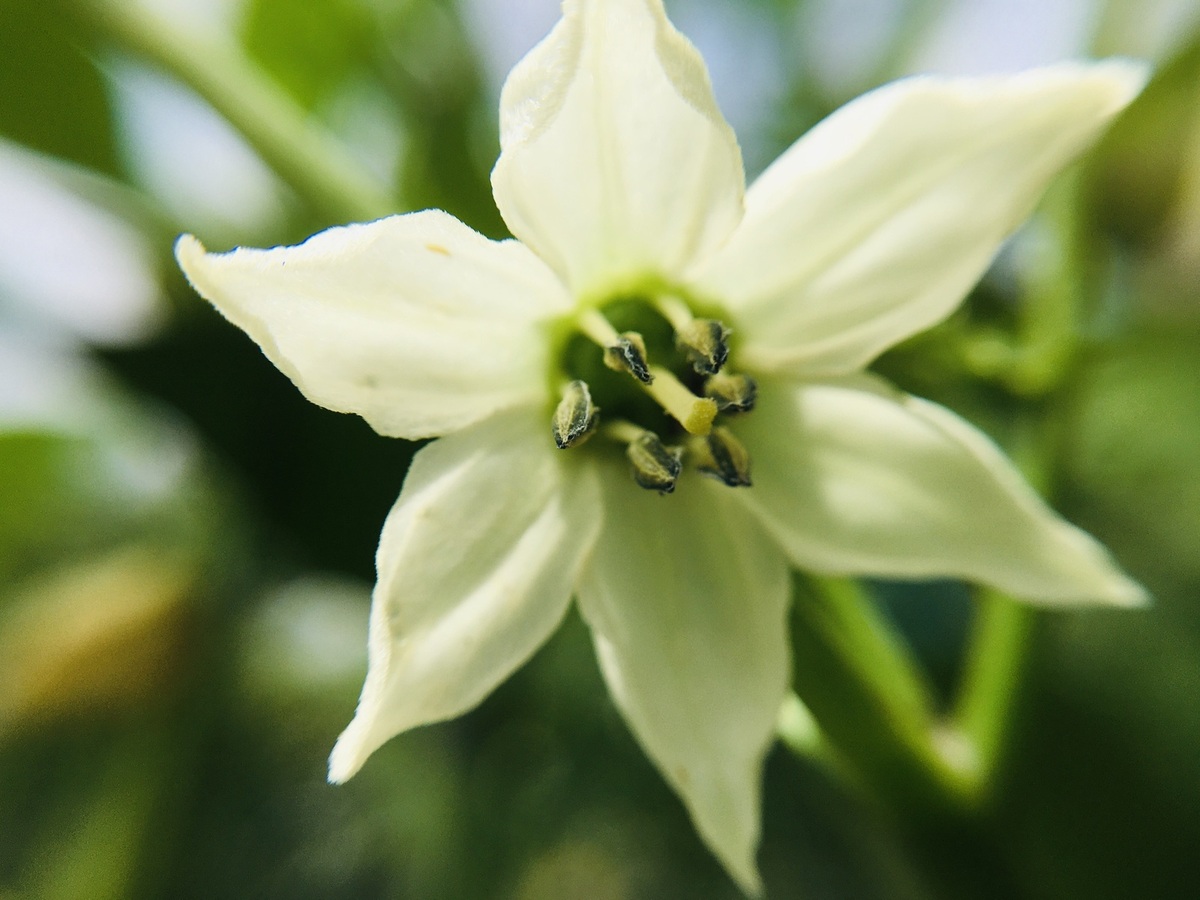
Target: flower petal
(687,599)
(415,322)
(874,225)
(476,565)
(854,477)
(616,162)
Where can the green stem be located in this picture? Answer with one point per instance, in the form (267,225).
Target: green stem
(1048,329)
(997,658)
(306,156)
(872,703)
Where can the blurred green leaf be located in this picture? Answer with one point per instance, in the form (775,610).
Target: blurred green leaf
(54,96)
(311,48)
(1134,453)
(54,500)
(1133,176)
(95,635)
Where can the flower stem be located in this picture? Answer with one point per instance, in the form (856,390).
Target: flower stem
(997,658)
(872,703)
(306,156)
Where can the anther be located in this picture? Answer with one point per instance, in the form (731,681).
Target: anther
(656,467)
(628,354)
(622,352)
(722,456)
(733,393)
(576,416)
(705,341)
(694,413)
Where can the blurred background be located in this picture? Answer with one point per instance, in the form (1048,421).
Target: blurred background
(186,545)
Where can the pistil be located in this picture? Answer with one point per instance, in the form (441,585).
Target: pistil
(694,413)
(627,352)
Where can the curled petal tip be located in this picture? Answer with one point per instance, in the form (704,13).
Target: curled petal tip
(1130,595)
(187,248)
(1129,76)
(347,756)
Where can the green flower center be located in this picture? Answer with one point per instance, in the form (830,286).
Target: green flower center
(646,373)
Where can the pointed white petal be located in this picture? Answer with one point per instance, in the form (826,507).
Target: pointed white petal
(476,566)
(687,600)
(415,322)
(855,477)
(615,162)
(874,225)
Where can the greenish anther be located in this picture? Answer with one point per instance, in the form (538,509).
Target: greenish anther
(732,393)
(723,456)
(654,465)
(576,417)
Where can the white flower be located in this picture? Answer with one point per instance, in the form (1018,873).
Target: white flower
(624,187)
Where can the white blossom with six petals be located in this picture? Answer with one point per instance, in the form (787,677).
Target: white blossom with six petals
(618,170)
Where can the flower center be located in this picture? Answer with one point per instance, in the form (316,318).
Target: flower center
(645,373)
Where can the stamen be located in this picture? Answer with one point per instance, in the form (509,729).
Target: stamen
(598,328)
(628,354)
(625,352)
(674,311)
(622,431)
(733,393)
(576,417)
(705,341)
(722,456)
(656,467)
(694,413)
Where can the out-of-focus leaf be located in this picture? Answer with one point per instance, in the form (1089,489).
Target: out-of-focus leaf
(59,500)
(34,510)
(312,47)
(1134,454)
(1100,801)
(54,97)
(103,848)
(74,496)
(1133,176)
(97,635)
(303,655)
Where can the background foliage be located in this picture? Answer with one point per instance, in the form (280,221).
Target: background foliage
(186,544)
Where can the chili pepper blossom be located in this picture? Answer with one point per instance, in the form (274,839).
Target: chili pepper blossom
(654,400)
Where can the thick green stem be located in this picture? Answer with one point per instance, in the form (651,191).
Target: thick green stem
(306,156)
(872,703)
(996,661)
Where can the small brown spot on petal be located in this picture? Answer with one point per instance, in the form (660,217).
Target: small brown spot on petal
(437,248)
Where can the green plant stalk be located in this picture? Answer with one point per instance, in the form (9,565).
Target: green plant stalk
(872,704)
(1048,329)
(992,678)
(300,151)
